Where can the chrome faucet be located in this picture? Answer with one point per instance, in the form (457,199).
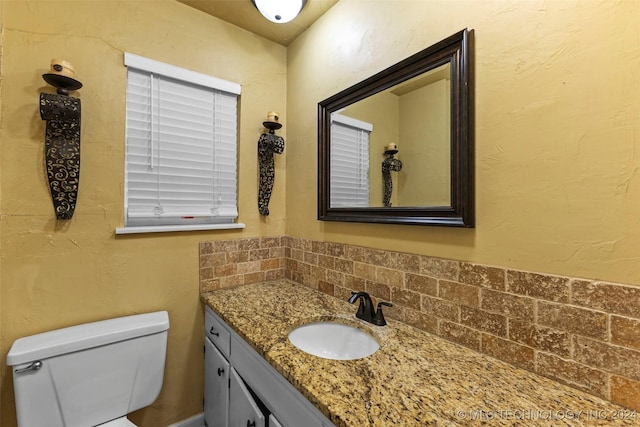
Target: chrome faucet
(366,311)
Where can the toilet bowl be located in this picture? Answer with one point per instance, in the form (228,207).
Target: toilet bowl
(89,375)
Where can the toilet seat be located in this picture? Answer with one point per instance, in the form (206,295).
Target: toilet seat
(118,422)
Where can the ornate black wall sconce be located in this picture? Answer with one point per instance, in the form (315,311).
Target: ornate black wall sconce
(268,144)
(62,137)
(389,164)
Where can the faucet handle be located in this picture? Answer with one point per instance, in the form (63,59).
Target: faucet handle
(378,319)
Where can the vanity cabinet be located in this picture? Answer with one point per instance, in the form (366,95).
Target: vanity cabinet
(242,389)
(216,386)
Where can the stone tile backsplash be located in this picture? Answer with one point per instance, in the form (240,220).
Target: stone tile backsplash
(582,333)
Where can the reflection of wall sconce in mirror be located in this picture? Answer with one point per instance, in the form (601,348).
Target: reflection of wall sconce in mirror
(268,144)
(388,165)
(62,137)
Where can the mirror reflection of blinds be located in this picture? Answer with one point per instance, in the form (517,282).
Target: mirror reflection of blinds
(349,184)
(181,150)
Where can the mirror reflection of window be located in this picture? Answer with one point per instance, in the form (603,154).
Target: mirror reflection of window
(349,185)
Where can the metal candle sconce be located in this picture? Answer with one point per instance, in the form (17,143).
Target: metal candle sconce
(268,144)
(389,164)
(62,138)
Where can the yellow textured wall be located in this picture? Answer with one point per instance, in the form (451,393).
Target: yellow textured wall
(557,125)
(56,274)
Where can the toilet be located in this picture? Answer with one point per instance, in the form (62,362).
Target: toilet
(89,375)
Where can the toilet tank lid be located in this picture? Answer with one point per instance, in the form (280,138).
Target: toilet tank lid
(85,336)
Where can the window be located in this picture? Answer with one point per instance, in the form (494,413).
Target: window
(349,185)
(181,149)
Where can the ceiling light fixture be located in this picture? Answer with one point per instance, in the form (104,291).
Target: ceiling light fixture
(279,11)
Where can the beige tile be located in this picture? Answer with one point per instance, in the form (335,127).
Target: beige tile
(440,308)
(540,337)
(611,358)
(508,351)
(492,323)
(258,254)
(269,264)
(344,265)
(225,270)
(274,274)
(423,284)
(379,290)
(335,249)
(213,260)
(311,258)
(459,334)
(353,253)
(420,320)
(206,273)
(626,392)
(513,306)
(327,261)
(459,293)
(248,267)
(390,276)
(238,256)
(377,257)
(365,271)
(353,282)
(439,268)
(409,262)
(229,281)
(406,298)
(326,287)
(209,285)
(625,332)
(335,277)
(248,244)
(205,248)
(572,374)
(256,277)
(551,288)
(572,319)
(482,275)
(609,297)
(318,247)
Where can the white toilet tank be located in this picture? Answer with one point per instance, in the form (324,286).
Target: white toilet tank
(89,374)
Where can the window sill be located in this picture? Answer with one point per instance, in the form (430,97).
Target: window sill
(172,228)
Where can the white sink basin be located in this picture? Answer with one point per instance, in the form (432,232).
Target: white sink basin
(335,341)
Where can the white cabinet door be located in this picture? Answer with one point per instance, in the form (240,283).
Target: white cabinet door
(216,387)
(243,410)
(273,422)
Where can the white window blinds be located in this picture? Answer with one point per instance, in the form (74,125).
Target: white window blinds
(349,185)
(181,146)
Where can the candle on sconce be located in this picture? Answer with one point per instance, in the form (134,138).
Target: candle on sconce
(391,148)
(272,116)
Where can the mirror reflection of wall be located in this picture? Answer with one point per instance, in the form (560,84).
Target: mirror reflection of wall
(425,123)
(416,114)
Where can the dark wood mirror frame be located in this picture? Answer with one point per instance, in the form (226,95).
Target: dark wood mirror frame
(456,50)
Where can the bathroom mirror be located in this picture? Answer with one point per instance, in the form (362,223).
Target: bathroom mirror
(398,146)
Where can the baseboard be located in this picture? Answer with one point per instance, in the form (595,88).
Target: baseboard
(195,421)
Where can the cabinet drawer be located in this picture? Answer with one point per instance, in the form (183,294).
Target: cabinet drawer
(217,331)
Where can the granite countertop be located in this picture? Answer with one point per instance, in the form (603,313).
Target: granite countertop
(414,379)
